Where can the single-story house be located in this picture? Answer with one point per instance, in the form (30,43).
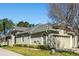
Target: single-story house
(40,35)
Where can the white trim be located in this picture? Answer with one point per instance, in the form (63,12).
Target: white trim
(41,40)
(70,41)
(76,41)
(13,38)
(29,39)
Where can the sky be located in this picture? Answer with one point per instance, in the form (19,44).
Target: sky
(30,12)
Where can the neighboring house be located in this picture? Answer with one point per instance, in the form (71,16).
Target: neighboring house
(40,35)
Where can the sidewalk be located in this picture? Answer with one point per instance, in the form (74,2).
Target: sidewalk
(4,52)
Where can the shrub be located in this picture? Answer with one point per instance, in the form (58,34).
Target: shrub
(0,45)
(32,46)
(3,45)
(25,45)
(46,47)
(19,45)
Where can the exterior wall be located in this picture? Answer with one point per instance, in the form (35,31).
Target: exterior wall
(37,40)
(76,39)
(18,40)
(11,40)
(65,40)
(61,32)
(62,41)
(22,40)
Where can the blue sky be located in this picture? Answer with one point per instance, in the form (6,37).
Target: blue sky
(33,13)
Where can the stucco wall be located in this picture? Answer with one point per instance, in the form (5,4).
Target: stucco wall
(36,40)
(21,40)
(10,42)
(65,41)
(62,41)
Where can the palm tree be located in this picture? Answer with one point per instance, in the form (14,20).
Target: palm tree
(4,25)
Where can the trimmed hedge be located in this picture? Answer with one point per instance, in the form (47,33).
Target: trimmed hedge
(21,45)
(45,47)
(3,45)
(32,46)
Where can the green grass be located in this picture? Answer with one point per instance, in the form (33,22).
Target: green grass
(30,52)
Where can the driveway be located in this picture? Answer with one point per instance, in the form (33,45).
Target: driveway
(4,52)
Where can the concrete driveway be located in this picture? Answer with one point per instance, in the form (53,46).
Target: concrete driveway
(4,52)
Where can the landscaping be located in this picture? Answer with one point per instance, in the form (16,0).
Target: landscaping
(37,52)
(44,47)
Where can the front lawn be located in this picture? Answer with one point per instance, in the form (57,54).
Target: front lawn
(31,52)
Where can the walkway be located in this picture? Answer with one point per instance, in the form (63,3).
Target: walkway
(4,52)
(76,50)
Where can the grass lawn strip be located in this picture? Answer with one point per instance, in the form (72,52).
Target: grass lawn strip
(33,52)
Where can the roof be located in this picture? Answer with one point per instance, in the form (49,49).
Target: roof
(19,29)
(41,28)
(35,29)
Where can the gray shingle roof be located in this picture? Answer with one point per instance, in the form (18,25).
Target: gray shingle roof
(19,29)
(41,28)
(35,29)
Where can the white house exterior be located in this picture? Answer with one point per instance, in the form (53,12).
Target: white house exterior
(40,35)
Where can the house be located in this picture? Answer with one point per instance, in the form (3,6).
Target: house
(40,35)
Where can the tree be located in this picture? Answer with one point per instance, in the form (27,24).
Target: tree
(23,24)
(1,27)
(65,14)
(6,24)
(31,25)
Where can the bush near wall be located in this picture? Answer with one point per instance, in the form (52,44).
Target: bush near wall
(45,47)
(32,46)
(3,45)
(21,45)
